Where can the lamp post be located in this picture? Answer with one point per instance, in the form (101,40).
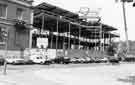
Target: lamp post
(125,25)
(125,22)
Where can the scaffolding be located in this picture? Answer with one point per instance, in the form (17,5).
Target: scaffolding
(66,29)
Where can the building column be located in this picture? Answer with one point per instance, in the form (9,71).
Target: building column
(79,36)
(100,37)
(103,41)
(95,40)
(64,45)
(69,36)
(74,41)
(109,38)
(30,32)
(57,29)
(51,38)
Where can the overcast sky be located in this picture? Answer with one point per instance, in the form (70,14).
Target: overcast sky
(111,12)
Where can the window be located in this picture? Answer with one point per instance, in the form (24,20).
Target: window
(3,34)
(19,13)
(3,10)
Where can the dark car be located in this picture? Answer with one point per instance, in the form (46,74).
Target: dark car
(2,60)
(113,60)
(28,62)
(61,60)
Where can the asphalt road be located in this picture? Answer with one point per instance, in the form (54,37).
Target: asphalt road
(72,74)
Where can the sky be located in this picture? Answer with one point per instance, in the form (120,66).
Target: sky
(111,12)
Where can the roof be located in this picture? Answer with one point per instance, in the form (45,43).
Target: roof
(108,28)
(56,10)
(51,13)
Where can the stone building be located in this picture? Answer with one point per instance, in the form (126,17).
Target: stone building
(16,18)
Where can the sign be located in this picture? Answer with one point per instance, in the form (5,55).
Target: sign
(42,42)
(84,10)
(88,14)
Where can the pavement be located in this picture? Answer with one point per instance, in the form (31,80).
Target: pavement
(79,74)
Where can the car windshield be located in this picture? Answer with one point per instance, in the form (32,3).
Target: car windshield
(38,58)
(76,57)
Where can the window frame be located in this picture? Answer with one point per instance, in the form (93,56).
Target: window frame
(5,29)
(22,14)
(5,11)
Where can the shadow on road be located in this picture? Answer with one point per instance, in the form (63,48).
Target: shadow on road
(128,79)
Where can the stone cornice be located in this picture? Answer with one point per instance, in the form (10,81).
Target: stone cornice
(9,21)
(22,2)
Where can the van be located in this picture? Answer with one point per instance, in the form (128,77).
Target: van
(14,60)
(38,59)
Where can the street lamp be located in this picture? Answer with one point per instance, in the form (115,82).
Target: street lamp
(125,22)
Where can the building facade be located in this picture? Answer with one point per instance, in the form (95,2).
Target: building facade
(15,23)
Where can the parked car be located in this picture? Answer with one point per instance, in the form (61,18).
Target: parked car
(38,59)
(96,60)
(77,60)
(48,60)
(28,61)
(61,60)
(88,60)
(2,60)
(113,60)
(129,58)
(73,60)
(82,60)
(15,60)
(104,60)
(66,60)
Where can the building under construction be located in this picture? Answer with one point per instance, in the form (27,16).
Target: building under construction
(64,33)
(55,31)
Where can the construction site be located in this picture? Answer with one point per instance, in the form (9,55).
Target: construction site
(64,33)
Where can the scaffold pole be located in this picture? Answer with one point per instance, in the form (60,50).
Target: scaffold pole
(57,28)
(79,35)
(69,36)
(43,22)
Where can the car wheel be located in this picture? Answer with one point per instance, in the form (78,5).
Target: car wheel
(13,63)
(41,62)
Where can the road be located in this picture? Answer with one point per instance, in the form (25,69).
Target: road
(81,74)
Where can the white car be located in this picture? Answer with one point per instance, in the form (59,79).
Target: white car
(82,60)
(15,60)
(38,59)
(79,60)
(104,59)
(87,60)
(73,60)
